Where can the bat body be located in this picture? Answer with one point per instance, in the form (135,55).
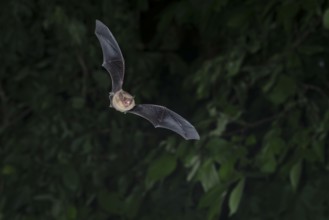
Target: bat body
(122,101)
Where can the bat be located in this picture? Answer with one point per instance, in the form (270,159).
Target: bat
(122,101)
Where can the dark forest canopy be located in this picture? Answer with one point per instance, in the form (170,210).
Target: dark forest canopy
(251,76)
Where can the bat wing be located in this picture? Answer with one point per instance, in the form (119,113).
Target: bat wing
(163,117)
(113,60)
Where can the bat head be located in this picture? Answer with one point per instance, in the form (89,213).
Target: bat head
(122,101)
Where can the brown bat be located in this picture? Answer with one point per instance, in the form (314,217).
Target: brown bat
(122,101)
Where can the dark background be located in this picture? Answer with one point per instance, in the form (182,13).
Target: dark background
(252,76)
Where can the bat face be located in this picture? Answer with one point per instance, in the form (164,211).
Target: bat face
(122,101)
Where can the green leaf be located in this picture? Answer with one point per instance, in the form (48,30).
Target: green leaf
(161,168)
(286,14)
(8,170)
(217,146)
(325,19)
(195,168)
(319,150)
(269,165)
(71,213)
(269,84)
(295,174)
(215,208)
(132,205)
(233,66)
(222,121)
(78,102)
(239,18)
(208,175)
(110,202)
(182,150)
(235,197)
(213,201)
(227,170)
(274,145)
(211,196)
(251,140)
(284,88)
(70,177)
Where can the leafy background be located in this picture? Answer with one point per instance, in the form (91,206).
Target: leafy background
(252,76)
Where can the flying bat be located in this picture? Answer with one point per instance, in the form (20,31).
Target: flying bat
(122,101)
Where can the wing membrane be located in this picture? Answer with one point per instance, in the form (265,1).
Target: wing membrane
(113,60)
(163,117)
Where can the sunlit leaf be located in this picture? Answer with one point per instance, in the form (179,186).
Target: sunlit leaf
(208,175)
(235,197)
(195,168)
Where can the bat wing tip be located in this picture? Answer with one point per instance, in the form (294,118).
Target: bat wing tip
(191,133)
(99,27)
(193,137)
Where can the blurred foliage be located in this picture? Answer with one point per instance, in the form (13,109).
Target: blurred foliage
(251,76)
